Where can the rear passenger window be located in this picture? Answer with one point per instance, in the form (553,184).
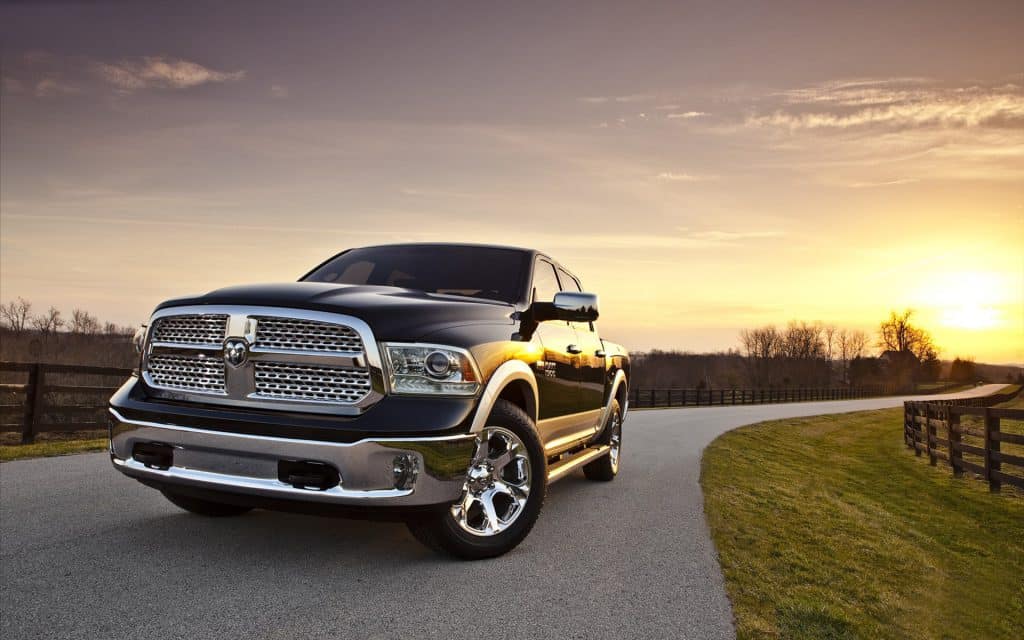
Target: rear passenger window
(569,283)
(545,284)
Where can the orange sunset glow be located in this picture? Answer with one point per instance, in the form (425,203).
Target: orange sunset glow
(704,168)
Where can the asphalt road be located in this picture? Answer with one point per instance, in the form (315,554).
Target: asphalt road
(88,553)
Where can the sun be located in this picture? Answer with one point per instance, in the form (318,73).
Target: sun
(969,300)
(975,317)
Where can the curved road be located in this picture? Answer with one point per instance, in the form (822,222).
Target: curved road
(88,553)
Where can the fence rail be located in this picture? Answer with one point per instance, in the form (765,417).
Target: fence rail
(645,398)
(48,402)
(936,429)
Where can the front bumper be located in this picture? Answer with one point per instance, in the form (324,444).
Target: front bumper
(247,464)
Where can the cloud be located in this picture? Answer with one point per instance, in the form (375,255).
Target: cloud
(53,85)
(684,239)
(730,236)
(434,193)
(883,183)
(158,72)
(278,91)
(897,103)
(683,177)
(687,115)
(634,97)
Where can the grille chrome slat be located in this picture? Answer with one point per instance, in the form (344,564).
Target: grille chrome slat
(310,383)
(326,362)
(191,329)
(187,373)
(306,335)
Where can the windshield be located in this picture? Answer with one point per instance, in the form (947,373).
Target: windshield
(478,272)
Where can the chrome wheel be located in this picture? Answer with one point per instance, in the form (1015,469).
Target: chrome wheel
(615,442)
(497,484)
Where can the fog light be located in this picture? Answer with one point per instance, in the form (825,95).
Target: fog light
(405,468)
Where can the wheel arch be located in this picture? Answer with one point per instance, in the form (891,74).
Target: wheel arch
(513,381)
(619,390)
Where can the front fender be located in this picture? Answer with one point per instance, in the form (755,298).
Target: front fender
(507,373)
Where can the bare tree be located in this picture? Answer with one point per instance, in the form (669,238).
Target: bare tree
(112,329)
(48,323)
(15,315)
(898,333)
(803,341)
(829,332)
(84,322)
(852,344)
(762,347)
(762,343)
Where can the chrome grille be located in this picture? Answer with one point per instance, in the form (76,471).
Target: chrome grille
(191,329)
(189,373)
(318,362)
(293,334)
(281,381)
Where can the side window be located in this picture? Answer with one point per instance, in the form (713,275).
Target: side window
(545,284)
(569,283)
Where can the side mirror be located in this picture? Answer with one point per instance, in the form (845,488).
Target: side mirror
(572,306)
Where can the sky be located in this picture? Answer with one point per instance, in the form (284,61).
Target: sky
(703,167)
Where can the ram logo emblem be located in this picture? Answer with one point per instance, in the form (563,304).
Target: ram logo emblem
(236,352)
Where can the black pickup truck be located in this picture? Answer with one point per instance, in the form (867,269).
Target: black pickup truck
(445,385)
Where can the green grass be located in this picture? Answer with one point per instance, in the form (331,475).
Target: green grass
(48,448)
(829,527)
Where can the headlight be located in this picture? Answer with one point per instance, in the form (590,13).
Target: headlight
(431,369)
(139,339)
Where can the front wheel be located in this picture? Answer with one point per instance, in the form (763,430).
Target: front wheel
(503,494)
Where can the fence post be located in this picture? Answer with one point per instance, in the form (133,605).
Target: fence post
(992,464)
(914,413)
(930,434)
(953,430)
(33,403)
(906,424)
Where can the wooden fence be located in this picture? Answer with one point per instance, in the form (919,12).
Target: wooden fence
(948,429)
(641,397)
(54,397)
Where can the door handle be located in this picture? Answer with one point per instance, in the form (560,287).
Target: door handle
(573,349)
(600,353)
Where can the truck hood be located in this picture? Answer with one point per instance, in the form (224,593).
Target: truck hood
(393,313)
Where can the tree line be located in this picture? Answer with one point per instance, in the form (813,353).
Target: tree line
(817,354)
(50,336)
(899,354)
(17,317)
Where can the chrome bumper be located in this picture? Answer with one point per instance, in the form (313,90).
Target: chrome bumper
(239,463)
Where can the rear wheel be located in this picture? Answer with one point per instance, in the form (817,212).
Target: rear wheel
(606,467)
(205,507)
(503,494)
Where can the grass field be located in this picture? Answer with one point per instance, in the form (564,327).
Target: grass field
(829,527)
(52,444)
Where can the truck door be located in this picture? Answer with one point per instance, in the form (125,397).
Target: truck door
(591,356)
(557,373)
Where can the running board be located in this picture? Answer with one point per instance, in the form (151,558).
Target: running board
(566,466)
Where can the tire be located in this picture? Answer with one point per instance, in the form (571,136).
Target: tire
(605,468)
(205,507)
(468,529)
